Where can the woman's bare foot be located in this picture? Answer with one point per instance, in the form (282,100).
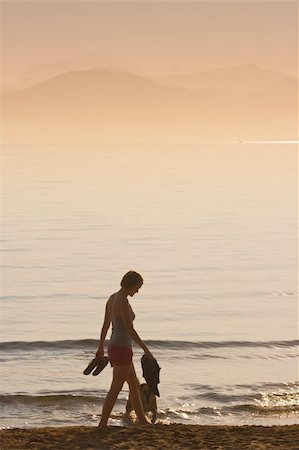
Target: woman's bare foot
(145,422)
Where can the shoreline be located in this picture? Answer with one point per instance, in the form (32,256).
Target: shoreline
(160,436)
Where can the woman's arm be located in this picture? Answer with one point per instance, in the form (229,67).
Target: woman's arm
(126,317)
(105,328)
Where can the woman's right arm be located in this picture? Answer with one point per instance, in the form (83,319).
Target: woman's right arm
(105,328)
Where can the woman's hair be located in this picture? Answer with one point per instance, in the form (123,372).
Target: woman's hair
(131,279)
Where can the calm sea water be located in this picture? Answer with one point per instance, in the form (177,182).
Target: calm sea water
(213,230)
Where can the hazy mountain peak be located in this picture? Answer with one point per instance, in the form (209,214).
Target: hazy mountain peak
(46,70)
(235,79)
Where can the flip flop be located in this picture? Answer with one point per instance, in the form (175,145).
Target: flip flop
(93,363)
(101,365)
(98,364)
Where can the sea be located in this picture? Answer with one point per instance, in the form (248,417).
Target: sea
(212,228)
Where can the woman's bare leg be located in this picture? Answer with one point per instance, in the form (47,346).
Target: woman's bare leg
(120,374)
(134,388)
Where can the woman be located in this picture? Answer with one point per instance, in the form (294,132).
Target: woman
(120,314)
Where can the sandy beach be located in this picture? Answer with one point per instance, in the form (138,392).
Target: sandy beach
(163,437)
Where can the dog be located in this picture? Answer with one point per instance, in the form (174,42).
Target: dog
(149,402)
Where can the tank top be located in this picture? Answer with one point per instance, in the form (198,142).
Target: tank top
(120,334)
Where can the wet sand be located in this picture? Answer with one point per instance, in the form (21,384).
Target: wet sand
(162,437)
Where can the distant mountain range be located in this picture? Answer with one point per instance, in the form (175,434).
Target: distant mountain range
(236,79)
(43,71)
(97,105)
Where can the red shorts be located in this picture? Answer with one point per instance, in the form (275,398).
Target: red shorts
(119,356)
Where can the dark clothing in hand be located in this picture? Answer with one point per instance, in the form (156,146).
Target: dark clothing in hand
(151,373)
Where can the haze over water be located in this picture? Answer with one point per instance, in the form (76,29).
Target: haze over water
(211,227)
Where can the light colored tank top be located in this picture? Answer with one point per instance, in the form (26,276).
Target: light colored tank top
(120,334)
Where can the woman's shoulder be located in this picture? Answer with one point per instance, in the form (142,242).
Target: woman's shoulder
(110,301)
(116,303)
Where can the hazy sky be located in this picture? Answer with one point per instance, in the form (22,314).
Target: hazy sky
(152,37)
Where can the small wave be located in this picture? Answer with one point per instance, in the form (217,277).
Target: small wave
(49,345)
(177,345)
(284,294)
(278,402)
(264,410)
(62,400)
(225,398)
(91,344)
(241,410)
(49,296)
(17,297)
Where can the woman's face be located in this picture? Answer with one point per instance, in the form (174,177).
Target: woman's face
(134,290)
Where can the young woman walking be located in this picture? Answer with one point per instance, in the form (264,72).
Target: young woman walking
(119,312)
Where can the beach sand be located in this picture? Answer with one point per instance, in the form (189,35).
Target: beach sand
(162,437)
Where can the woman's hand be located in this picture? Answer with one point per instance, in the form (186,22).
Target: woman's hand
(100,352)
(149,354)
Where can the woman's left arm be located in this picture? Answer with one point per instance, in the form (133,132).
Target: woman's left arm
(105,328)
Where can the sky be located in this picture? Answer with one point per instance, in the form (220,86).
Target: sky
(150,37)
